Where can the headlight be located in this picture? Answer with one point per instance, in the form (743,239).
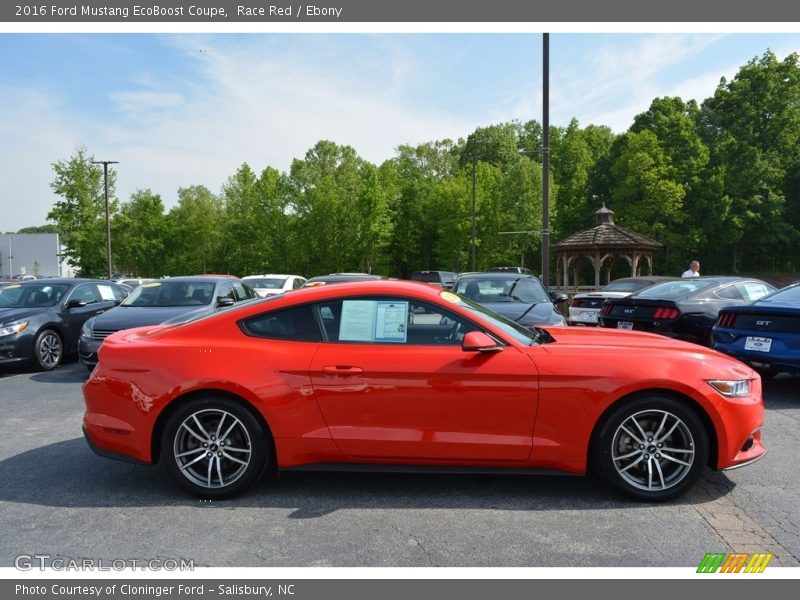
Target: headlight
(86,331)
(13,328)
(738,388)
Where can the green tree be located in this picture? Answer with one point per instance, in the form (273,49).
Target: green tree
(194,233)
(752,125)
(140,232)
(80,215)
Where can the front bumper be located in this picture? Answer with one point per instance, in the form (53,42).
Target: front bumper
(87,351)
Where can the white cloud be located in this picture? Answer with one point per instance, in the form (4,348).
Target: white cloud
(245,107)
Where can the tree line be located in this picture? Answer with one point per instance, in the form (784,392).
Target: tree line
(718,181)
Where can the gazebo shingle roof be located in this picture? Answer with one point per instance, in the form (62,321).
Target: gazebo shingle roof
(606,234)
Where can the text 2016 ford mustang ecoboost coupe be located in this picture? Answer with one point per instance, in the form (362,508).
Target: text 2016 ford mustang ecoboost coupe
(395,375)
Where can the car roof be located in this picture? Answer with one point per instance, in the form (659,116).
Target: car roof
(497,275)
(66,280)
(198,278)
(270,275)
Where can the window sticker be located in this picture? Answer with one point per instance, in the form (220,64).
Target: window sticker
(391,319)
(450,297)
(358,318)
(373,321)
(151,284)
(106,293)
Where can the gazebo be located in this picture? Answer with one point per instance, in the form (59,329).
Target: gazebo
(600,244)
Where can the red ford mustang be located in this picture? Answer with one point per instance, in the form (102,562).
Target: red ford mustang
(395,375)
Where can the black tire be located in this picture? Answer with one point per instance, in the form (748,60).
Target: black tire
(232,436)
(635,464)
(48,350)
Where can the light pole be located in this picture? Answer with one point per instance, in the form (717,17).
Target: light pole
(105,164)
(474,166)
(546,159)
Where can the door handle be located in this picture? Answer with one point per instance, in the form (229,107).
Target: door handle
(100,311)
(342,370)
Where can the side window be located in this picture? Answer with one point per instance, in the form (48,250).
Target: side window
(297,323)
(86,292)
(120,293)
(226,291)
(392,321)
(752,290)
(298,283)
(730,293)
(241,291)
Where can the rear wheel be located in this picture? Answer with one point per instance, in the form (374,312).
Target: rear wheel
(48,350)
(652,448)
(215,447)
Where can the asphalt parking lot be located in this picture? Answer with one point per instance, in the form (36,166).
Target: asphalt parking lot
(58,498)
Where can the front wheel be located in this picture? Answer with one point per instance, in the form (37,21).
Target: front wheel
(48,350)
(652,448)
(215,447)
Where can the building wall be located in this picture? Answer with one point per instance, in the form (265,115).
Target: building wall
(30,254)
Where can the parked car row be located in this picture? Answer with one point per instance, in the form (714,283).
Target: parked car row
(744,317)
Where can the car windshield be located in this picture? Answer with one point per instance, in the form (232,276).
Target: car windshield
(670,290)
(511,328)
(623,286)
(31,295)
(790,294)
(266,283)
(502,289)
(171,293)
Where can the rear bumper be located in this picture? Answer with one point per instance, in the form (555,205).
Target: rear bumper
(109,454)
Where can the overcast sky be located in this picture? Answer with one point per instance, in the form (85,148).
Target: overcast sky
(180,110)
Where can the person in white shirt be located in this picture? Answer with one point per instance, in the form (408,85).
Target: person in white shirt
(693,270)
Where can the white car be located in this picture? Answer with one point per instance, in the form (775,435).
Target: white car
(585,308)
(270,284)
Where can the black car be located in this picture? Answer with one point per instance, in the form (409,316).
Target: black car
(41,320)
(684,309)
(167,300)
(516,296)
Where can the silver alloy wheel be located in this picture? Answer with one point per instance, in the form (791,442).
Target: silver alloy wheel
(653,450)
(49,350)
(212,448)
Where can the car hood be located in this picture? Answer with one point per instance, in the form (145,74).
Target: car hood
(581,343)
(543,313)
(126,317)
(13,313)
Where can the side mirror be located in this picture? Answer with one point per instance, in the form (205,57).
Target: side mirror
(76,304)
(225,302)
(477,341)
(559,297)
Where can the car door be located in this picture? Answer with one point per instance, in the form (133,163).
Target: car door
(84,302)
(393,383)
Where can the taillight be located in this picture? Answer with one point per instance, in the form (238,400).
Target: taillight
(606,310)
(727,320)
(665,312)
(577,302)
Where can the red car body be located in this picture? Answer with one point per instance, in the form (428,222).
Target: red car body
(539,407)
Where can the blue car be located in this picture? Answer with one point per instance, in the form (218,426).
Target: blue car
(764,334)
